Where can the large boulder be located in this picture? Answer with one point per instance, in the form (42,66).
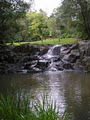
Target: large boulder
(42,64)
(87,49)
(38,58)
(86,63)
(84,49)
(44,49)
(6,54)
(68,66)
(71,57)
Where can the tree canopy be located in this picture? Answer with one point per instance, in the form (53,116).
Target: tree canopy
(70,19)
(74,16)
(10,12)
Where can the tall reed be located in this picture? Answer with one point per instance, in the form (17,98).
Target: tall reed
(19,108)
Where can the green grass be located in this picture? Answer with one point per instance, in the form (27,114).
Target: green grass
(18,108)
(49,41)
(55,41)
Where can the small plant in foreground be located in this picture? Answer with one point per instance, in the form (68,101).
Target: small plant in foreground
(19,108)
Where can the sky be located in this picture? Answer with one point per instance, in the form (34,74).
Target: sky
(46,5)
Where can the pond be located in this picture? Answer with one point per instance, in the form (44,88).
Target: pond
(70,90)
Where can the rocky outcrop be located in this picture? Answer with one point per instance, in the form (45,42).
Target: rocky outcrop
(84,50)
(29,58)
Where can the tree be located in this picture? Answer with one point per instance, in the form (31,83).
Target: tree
(36,26)
(52,26)
(10,13)
(74,15)
(85,14)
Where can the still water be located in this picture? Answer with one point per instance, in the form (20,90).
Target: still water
(70,90)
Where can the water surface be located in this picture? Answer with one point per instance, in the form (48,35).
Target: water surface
(70,90)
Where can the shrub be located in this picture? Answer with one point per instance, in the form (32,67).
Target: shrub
(65,35)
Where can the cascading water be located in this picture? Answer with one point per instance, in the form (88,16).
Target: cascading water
(52,54)
(60,58)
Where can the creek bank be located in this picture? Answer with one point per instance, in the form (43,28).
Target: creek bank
(29,58)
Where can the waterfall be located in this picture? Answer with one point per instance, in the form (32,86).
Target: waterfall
(53,52)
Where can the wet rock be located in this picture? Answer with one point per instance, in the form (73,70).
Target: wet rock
(38,58)
(34,70)
(44,49)
(67,45)
(87,49)
(78,66)
(7,48)
(27,48)
(42,64)
(25,59)
(22,71)
(74,47)
(84,49)
(67,66)
(56,59)
(43,52)
(4,67)
(30,64)
(6,54)
(86,63)
(72,58)
(59,66)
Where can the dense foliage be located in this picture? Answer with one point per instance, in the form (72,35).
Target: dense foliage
(35,27)
(38,26)
(11,11)
(73,18)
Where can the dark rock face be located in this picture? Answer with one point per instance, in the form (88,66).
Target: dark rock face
(84,49)
(29,58)
(68,66)
(27,48)
(72,58)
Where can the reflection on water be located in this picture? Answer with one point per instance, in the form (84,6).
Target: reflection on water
(70,90)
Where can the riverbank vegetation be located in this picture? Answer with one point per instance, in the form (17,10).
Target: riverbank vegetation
(20,108)
(19,23)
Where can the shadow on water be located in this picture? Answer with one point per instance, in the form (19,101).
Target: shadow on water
(70,90)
